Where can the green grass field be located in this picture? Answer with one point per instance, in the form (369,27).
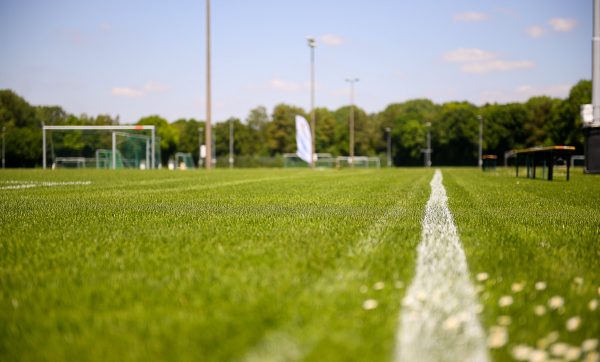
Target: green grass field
(255,265)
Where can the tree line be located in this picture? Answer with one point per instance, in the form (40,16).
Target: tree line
(263,137)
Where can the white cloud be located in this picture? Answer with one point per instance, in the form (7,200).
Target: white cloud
(150,87)
(535,31)
(481,61)
(558,90)
(463,55)
(496,65)
(524,92)
(562,24)
(331,39)
(154,87)
(283,85)
(470,17)
(126,92)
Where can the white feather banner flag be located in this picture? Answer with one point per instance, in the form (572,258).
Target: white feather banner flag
(303,139)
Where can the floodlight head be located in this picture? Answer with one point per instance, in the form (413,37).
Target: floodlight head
(352,80)
(311,41)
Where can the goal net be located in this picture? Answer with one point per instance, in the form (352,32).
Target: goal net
(109,147)
(358,162)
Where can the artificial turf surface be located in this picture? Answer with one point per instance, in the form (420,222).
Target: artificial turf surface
(250,265)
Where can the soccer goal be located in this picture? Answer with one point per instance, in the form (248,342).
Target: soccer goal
(358,162)
(184,161)
(108,147)
(323,160)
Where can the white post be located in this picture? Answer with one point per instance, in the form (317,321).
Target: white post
(114,150)
(44,146)
(147,154)
(153,148)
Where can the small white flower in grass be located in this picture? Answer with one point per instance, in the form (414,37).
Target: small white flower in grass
(559,349)
(521,352)
(539,310)
(451,323)
(589,344)
(517,287)
(504,320)
(538,355)
(505,301)
(540,285)
(478,309)
(482,277)
(578,280)
(498,337)
(421,296)
(398,285)
(573,353)
(592,357)
(556,302)
(573,324)
(370,304)
(593,304)
(364,289)
(379,285)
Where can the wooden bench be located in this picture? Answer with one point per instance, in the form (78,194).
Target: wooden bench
(547,156)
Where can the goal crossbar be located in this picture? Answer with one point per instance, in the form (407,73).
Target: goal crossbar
(103,128)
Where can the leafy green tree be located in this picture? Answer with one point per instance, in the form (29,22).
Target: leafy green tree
(281,131)
(456,132)
(167,133)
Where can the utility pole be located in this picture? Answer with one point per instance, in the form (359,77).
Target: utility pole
(351,146)
(231,143)
(209,153)
(480,161)
(312,43)
(389,146)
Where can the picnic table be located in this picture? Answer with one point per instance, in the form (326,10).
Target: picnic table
(546,156)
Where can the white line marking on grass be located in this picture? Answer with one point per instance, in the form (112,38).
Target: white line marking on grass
(439,321)
(29,184)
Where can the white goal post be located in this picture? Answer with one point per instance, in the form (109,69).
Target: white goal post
(112,129)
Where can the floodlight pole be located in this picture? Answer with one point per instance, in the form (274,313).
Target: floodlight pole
(389,146)
(480,161)
(596,64)
(312,44)
(208,93)
(351,147)
(231,143)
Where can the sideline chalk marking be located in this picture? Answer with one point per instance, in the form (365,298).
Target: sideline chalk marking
(439,321)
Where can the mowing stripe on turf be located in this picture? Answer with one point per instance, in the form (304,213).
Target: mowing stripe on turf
(439,321)
(15,185)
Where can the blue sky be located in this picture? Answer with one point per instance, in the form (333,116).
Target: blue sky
(134,58)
